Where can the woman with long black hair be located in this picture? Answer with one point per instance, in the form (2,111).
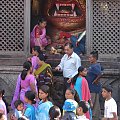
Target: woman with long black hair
(26,81)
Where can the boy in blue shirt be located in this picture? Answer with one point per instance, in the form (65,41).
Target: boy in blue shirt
(30,110)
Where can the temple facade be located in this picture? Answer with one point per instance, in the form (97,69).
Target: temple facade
(102,34)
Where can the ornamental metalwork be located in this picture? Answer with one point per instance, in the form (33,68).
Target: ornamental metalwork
(11,25)
(106,27)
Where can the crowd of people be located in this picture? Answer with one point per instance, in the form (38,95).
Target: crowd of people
(32,97)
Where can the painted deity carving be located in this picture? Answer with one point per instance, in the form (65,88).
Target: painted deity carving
(66,15)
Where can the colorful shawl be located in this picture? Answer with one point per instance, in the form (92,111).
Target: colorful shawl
(81,86)
(42,68)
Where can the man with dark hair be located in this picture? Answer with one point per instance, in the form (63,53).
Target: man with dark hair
(69,64)
(69,44)
(93,77)
(94,54)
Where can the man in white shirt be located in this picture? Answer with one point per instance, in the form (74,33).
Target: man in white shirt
(69,64)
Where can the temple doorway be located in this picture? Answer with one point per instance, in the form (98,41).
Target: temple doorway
(64,18)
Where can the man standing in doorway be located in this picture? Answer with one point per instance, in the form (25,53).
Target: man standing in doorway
(69,64)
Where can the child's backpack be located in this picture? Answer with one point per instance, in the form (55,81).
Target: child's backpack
(69,116)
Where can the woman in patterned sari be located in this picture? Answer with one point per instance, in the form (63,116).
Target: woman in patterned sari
(43,73)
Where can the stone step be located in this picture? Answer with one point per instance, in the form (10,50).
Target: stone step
(12,60)
(14,63)
(9,69)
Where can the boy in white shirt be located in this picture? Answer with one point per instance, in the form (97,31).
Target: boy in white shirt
(110,106)
(81,110)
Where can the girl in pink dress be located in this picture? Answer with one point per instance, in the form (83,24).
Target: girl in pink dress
(38,35)
(25,82)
